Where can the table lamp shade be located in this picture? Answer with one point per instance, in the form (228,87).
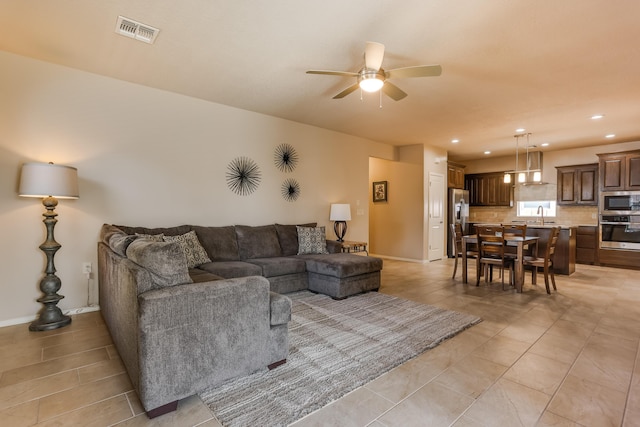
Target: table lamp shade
(46,179)
(340,212)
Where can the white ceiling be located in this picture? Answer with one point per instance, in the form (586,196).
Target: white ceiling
(547,66)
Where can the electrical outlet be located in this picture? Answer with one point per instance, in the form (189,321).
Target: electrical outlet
(86,267)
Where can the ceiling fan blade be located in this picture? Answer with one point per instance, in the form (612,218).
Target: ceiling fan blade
(417,71)
(346,92)
(373,55)
(333,73)
(393,91)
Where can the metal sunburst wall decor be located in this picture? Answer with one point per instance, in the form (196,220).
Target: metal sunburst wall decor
(290,190)
(286,158)
(243,176)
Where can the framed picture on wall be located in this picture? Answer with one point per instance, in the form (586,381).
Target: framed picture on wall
(380,191)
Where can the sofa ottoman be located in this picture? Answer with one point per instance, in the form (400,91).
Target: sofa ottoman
(342,275)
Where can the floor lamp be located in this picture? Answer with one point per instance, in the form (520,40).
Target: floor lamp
(49,182)
(340,213)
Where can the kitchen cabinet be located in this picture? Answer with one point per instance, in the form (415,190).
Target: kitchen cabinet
(620,171)
(455,175)
(488,189)
(587,244)
(578,185)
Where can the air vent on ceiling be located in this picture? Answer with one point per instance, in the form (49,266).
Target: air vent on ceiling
(135,30)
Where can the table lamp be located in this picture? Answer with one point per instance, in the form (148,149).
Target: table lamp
(340,213)
(49,182)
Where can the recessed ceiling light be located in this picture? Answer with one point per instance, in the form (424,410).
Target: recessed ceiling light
(519,130)
(597,116)
(545,144)
(611,135)
(487,152)
(455,141)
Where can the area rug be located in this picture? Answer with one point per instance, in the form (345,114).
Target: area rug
(335,347)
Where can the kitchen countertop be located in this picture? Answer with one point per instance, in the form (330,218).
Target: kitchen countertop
(534,224)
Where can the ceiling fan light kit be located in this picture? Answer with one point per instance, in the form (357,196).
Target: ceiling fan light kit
(373,78)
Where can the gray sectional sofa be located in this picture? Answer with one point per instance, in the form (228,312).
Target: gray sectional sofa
(190,307)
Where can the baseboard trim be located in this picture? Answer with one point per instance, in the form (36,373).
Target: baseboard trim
(29,319)
(419,261)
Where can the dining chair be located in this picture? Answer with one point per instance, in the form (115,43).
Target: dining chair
(545,261)
(491,252)
(514,230)
(456,236)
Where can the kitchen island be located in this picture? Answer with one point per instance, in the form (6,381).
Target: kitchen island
(564,261)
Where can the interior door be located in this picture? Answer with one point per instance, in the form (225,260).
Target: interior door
(436,216)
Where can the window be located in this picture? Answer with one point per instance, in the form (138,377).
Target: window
(531,208)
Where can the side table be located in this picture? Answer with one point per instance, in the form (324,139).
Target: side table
(351,247)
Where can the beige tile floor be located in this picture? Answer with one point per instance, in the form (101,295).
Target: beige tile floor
(569,359)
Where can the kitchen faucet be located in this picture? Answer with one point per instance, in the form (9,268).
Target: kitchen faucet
(540,212)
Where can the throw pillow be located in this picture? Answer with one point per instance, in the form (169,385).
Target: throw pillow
(119,242)
(164,261)
(193,250)
(152,237)
(312,240)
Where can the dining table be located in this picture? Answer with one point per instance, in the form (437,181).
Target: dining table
(520,242)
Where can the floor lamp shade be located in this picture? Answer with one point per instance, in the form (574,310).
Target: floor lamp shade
(46,179)
(340,213)
(49,182)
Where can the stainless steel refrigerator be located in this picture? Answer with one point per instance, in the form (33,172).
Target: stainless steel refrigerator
(458,212)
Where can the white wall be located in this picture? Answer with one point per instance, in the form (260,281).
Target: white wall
(153,158)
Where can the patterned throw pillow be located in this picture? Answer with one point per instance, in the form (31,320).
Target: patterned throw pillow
(193,250)
(311,240)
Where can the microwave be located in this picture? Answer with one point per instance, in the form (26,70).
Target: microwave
(620,202)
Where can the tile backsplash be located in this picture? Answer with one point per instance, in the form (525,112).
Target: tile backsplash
(565,215)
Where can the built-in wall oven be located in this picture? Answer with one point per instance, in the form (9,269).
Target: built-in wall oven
(620,220)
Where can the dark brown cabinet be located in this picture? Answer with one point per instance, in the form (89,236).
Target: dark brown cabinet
(587,244)
(455,175)
(578,185)
(620,171)
(488,189)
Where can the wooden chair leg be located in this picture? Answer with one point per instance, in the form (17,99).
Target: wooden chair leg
(534,275)
(546,279)
(553,278)
(455,266)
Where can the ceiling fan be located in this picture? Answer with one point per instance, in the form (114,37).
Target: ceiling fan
(373,77)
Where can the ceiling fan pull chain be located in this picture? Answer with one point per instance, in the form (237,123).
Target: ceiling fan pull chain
(380,93)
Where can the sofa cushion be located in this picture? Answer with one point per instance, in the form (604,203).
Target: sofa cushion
(257,242)
(288,237)
(280,309)
(231,269)
(311,240)
(167,231)
(279,266)
(341,265)
(220,243)
(193,250)
(198,276)
(164,261)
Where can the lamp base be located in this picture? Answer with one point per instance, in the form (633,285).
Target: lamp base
(46,325)
(340,228)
